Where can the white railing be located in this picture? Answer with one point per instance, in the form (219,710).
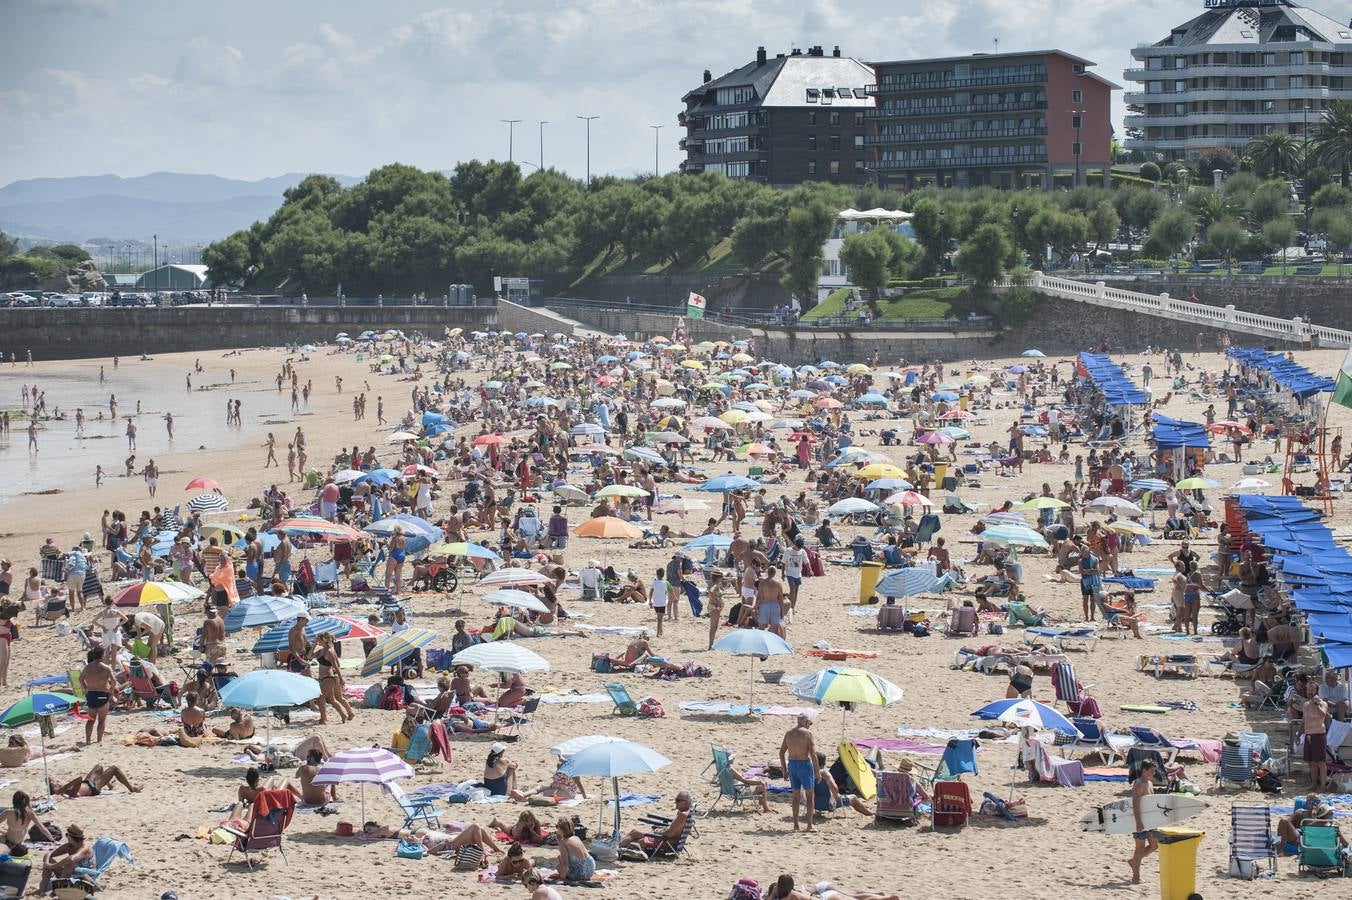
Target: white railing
(1227,317)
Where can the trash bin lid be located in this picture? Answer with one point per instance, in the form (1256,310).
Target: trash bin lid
(1173,834)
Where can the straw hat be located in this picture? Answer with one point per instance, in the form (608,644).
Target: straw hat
(905,765)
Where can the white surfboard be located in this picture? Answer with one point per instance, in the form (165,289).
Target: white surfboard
(1157,810)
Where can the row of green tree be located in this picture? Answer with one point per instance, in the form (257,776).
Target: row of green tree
(405,231)
(27,268)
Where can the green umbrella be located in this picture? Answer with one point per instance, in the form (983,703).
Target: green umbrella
(21,713)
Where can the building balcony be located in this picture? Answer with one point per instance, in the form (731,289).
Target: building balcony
(701,133)
(1238,93)
(953,110)
(945,137)
(913,85)
(695,145)
(962,162)
(730,156)
(1247,70)
(1188,143)
(691,166)
(1281,117)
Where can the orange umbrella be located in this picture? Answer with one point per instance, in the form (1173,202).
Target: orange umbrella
(486,439)
(608,527)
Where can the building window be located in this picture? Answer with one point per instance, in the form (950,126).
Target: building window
(835,142)
(1075,122)
(1297,81)
(812,142)
(812,167)
(858,141)
(734,96)
(1297,58)
(859,118)
(835,118)
(834,167)
(812,117)
(1078,96)
(1075,148)
(737,169)
(859,166)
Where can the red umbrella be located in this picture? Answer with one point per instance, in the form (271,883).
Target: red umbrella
(359,629)
(485,440)
(800,435)
(203,484)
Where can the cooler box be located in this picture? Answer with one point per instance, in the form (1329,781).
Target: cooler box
(869,571)
(1178,861)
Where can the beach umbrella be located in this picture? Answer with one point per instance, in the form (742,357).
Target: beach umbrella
(542,401)
(790,424)
(1250,484)
(227,533)
(754,643)
(907,498)
(935,437)
(957,414)
(888,484)
(410,524)
(418,468)
(502,656)
(347,475)
(400,436)
(852,506)
(1116,505)
(357,629)
(1149,484)
(571,493)
(876,470)
(1005,518)
(1196,483)
(620,490)
(1043,503)
(872,398)
(1009,534)
(262,609)
(705,541)
(514,575)
(363,766)
(586,428)
(392,648)
(487,440)
(467,549)
(208,503)
(276,637)
(517,599)
(320,529)
(1224,425)
(827,403)
(908,582)
(147,593)
(1034,354)
(1126,526)
(269,689)
(729,482)
(1025,713)
(608,527)
(643,454)
(680,505)
(611,760)
(203,484)
(27,710)
(956,433)
(801,394)
(846,685)
(668,403)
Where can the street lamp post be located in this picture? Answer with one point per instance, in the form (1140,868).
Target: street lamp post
(542,145)
(1079,121)
(511,129)
(156,239)
(588,120)
(657,130)
(1305,161)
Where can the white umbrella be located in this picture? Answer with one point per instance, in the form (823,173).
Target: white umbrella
(518,599)
(1117,505)
(502,656)
(851,506)
(514,575)
(399,436)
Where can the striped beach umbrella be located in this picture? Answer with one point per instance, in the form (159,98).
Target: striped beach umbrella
(394,647)
(207,503)
(276,637)
(363,766)
(320,528)
(846,685)
(911,581)
(264,609)
(515,598)
(514,575)
(146,593)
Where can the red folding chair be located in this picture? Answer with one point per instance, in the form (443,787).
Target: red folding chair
(951,805)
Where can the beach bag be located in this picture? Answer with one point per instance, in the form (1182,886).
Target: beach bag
(1268,782)
(469,858)
(602,664)
(995,628)
(410,850)
(55,830)
(745,889)
(651,708)
(815,567)
(392,697)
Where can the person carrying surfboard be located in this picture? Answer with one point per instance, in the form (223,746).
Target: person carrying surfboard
(1146,843)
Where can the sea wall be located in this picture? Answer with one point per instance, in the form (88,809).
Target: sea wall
(90,332)
(1323,301)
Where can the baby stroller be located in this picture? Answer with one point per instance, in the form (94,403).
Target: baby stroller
(1235,606)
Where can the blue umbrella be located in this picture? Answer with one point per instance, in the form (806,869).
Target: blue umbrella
(276,638)
(267,538)
(944,397)
(1033,353)
(265,609)
(754,643)
(828,364)
(612,759)
(705,541)
(909,582)
(28,709)
(269,689)
(378,477)
(1024,712)
(729,482)
(1149,484)
(872,398)
(635,354)
(834,379)
(607,358)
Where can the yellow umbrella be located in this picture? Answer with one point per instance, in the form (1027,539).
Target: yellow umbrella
(456,332)
(705,345)
(734,416)
(857,369)
(1122,526)
(692,364)
(874,471)
(742,358)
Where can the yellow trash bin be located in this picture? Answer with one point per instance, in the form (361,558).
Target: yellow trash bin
(868,578)
(1178,861)
(940,472)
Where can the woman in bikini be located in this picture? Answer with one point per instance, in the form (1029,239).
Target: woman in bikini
(93,784)
(463,690)
(18,819)
(330,681)
(394,566)
(527,829)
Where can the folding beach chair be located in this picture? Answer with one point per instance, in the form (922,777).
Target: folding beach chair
(1070,692)
(1138,755)
(1151,739)
(727,785)
(415,809)
(1235,766)
(624,704)
(1251,840)
(517,720)
(896,795)
(265,829)
(963,622)
(1092,738)
(992,805)
(951,805)
(1020,614)
(1319,850)
(87,878)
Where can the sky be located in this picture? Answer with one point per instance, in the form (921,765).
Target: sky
(256,88)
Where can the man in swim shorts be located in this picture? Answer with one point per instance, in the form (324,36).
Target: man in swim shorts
(97,680)
(798,757)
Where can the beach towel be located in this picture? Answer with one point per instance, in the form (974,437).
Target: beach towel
(627,799)
(1131,582)
(899,745)
(574,698)
(835,654)
(1105,773)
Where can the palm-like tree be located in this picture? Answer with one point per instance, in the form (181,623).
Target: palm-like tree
(1333,138)
(1275,153)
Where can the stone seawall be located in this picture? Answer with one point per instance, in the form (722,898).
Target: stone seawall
(91,332)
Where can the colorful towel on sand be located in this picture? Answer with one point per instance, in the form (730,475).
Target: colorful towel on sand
(627,799)
(611,629)
(1131,583)
(723,707)
(898,745)
(1106,773)
(835,653)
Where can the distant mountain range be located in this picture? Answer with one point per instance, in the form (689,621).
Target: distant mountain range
(181,209)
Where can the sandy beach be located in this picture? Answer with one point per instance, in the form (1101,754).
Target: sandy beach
(53,494)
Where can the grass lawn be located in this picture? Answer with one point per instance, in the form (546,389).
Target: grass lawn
(929,303)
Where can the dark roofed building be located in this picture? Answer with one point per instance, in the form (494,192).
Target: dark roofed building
(781,120)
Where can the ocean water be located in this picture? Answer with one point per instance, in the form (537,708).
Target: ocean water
(66,462)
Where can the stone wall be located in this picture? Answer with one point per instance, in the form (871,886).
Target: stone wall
(129,331)
(734,292)
(514,317)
